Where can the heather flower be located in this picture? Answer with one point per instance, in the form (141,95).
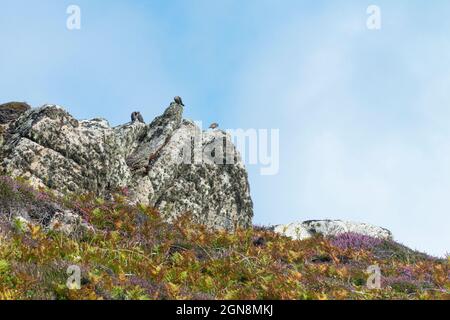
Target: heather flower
(125,191)
(41,196)
(351,240)
(403,283)
(407,272)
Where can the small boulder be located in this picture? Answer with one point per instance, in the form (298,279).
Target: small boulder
(327,228)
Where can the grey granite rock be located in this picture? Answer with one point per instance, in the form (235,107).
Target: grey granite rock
(170,163)
(307,229)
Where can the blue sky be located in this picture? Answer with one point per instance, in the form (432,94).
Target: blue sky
(363,115)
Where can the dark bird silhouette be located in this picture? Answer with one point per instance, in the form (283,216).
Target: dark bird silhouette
(214,126)
(178,100)
(140,117)
(136,116)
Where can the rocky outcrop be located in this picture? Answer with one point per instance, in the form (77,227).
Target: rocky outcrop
(11,111)
(170,163)
(327,228)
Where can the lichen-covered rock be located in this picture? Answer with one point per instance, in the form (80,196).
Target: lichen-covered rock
(216,193)
(169,164)
(69,223)
(11,111)
(52,149)
(307,229)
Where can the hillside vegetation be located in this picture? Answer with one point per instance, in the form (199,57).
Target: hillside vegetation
(131,253)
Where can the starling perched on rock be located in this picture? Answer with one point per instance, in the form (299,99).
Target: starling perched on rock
(178,100)
(136,116)
(140,117)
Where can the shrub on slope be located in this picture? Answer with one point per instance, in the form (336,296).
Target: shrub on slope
(131,253)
